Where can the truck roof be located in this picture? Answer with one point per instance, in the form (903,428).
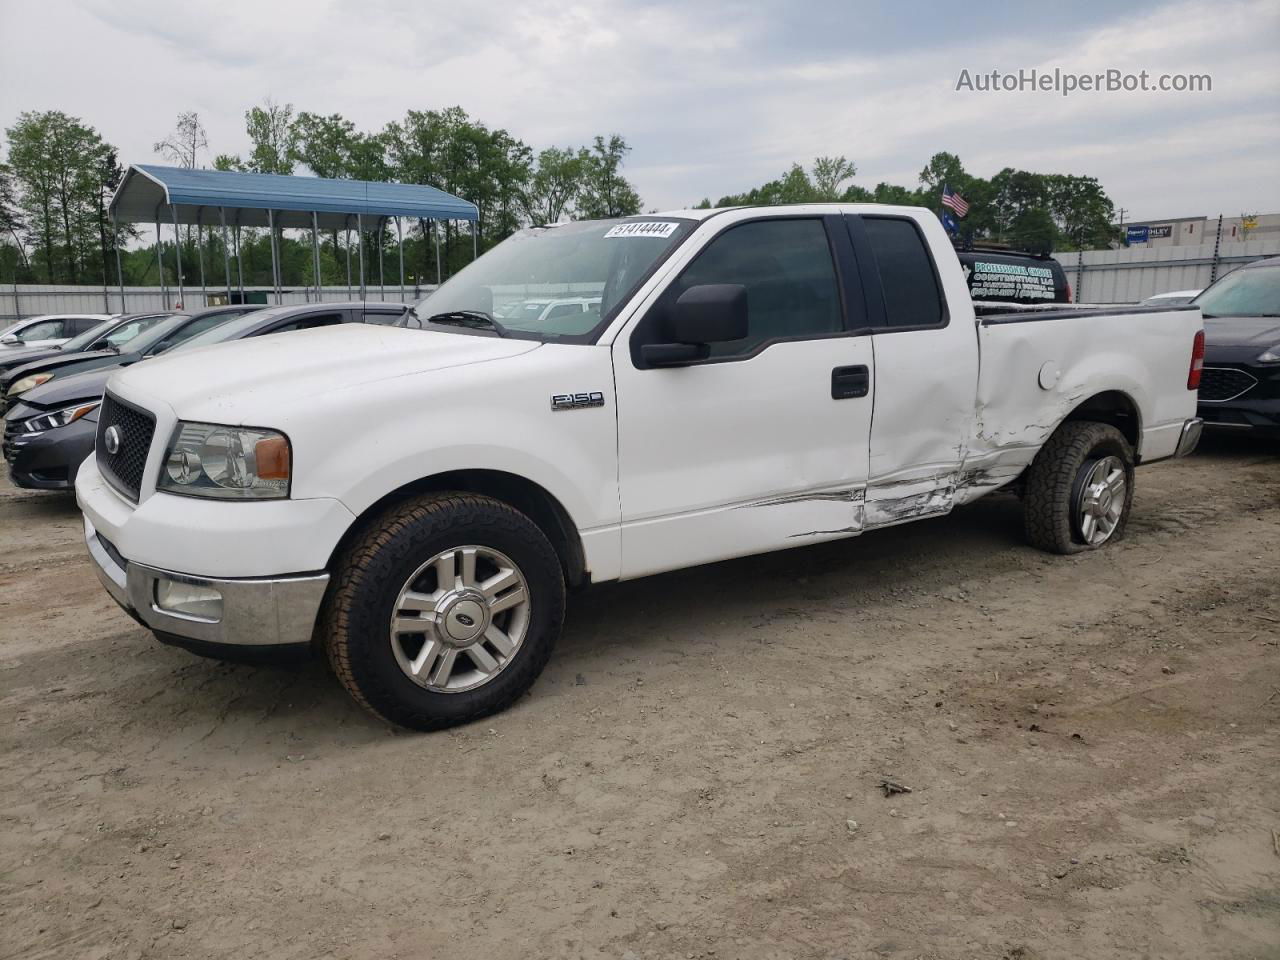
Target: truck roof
(869,208)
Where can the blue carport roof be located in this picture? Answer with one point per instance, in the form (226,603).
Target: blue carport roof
(149,192)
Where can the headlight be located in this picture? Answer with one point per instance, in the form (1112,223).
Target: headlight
(59,418)
(1270,356)
(28,383)
(227,463)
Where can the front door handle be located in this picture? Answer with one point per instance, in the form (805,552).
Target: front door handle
(849,382)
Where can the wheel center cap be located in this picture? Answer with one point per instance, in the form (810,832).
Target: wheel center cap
(464,619)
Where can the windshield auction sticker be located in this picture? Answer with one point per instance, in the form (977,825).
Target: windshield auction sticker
(649,228)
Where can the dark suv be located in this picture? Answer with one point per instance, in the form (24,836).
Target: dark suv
(1009,276)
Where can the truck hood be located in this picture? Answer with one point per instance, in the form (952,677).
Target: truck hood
(243,381)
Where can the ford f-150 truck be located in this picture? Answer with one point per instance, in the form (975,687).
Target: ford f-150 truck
(413,502)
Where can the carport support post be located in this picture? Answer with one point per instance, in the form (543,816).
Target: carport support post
(435,242)
(115,245)
(226,252)
(239,260)
(475,240)
(382,279)
(177,253)
(164,291)
(346,229)
(275,276)
(400,244)
(315,251)
(204,294)
(360,249)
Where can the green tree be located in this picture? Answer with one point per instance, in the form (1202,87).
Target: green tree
(273,136)
(794,186)
(1081,210)
(108,175)
(325,145)
(1033,229)
(829,173)
(553,185)
(331,147)
(1012,193)
(11,225)
(943,168)
(605,192)
(55,162)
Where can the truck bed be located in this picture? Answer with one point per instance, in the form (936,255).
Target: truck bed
(1040,363)
(996,312)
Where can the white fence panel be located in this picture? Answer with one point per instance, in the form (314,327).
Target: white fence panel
(18,301)
(1135,273)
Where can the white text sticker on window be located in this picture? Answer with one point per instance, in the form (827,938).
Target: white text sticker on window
(648,228)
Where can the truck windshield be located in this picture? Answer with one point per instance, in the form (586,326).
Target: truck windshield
(561,283)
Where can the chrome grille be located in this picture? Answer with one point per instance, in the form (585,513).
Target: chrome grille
(135,428)
(1219,384)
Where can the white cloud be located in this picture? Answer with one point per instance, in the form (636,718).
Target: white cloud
(714,97)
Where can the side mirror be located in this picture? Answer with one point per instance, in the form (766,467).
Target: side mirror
(9,339)
(703,315)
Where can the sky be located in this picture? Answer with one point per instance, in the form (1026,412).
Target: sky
(714,96)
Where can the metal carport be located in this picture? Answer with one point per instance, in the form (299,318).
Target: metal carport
(177,195)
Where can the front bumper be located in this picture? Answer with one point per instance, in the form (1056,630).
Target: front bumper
(258,613)
(1250,400)
(1261,415)
(49,460)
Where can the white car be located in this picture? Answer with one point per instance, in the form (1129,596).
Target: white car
(48,330)
(1171,299)
(414,503)
(544,310)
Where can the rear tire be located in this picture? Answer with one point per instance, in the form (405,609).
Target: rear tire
(445,609)
(1079,488)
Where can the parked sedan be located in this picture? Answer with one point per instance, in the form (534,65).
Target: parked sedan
(155,338)
(47,330)
(50,430)
(1240,387)
(1171,299)
(107,334)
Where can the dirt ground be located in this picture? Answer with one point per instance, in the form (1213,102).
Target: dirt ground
(1092,746)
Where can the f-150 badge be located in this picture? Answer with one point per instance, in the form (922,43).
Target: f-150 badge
(575,401)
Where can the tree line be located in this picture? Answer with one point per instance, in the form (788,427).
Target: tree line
(1040,212)
(58,176)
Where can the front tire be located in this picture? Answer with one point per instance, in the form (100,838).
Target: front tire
(445,609)
(1079,488)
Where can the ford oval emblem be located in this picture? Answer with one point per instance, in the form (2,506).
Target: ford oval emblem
(111,439)
(465,620)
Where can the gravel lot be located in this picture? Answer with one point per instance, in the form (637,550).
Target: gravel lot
(1092,743)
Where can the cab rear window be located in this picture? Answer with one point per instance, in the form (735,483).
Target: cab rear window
(912,297)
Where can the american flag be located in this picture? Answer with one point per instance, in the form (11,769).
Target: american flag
(953,200)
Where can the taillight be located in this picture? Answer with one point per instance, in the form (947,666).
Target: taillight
(1069,294)
(1197,362)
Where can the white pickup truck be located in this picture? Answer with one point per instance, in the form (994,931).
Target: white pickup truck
(413,502)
